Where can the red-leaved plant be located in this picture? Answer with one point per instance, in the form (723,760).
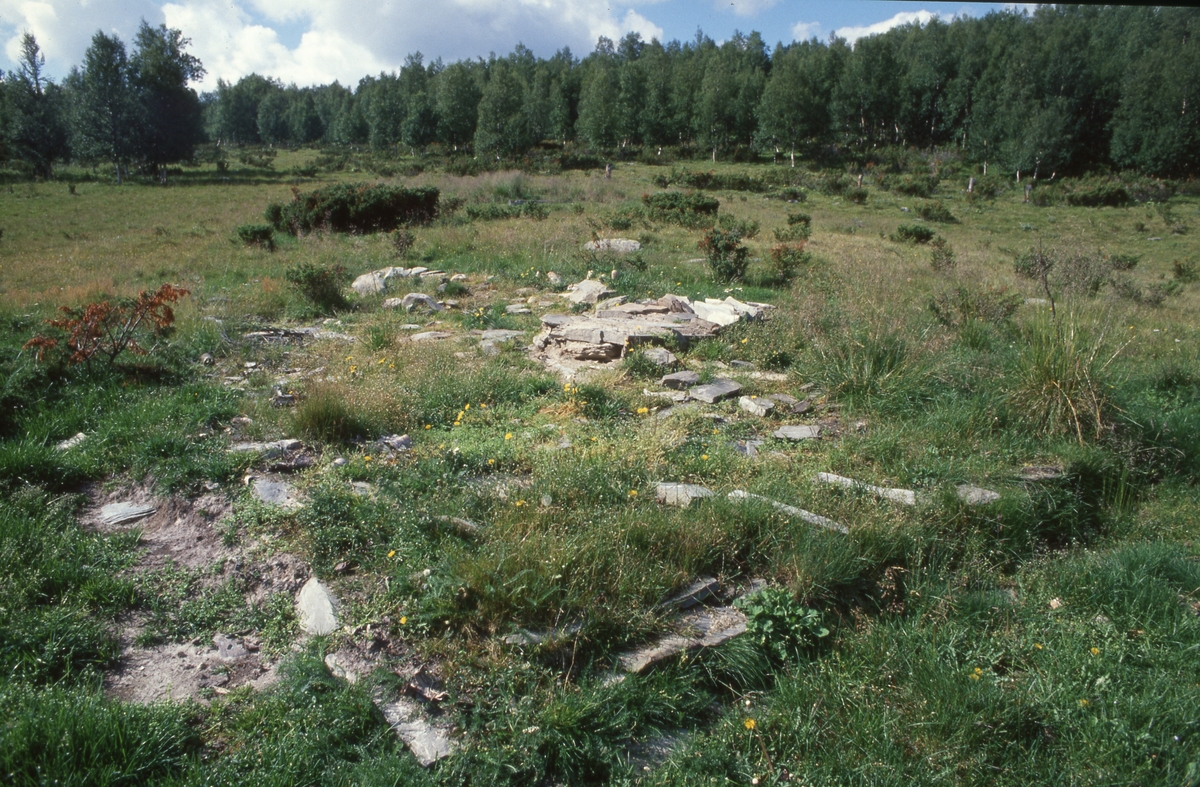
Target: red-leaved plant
(108,328)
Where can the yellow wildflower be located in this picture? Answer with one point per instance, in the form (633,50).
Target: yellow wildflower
(1037,646)
(491,461)
(403,619)
(704,457)
(633,493)
(508,435)
(1084,703)
(1095,651)
(750,724)
(366,458)
(643,410)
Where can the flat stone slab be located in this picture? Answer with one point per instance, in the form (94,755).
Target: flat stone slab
(316,608)
(660,356)
(275,493)
(903,496)
(799,513)
(797,433)
(703,588)
(715,391)
(703,628)
(427,336)
(587,291)
(229,649)
(614,245)
(419,300)
(756,406)
(124,513)
(72,442)
(499,335)
(680,380)
(270,449)
(976,496)
(681,495)
(427,742)
(517,308)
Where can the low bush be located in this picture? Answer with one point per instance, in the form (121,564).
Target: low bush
(792,234)
(788,258)
(685,209)
(747,228)
(711,181)
(962,305)
(402,242)
(262,235)
(909,184)
(726,254)
(799,218)
(354,207)
(931,210)
(496,212)
(1091,195)
(941,256)
(1185,271)
(320,285)
(857,195)
(912,233)
(780,624)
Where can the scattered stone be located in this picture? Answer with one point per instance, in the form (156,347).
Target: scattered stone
(903,496)
(463,527)
(741,364)
(703,628)
(726,312)
(429,336)
(614,305)
(419,299)
(517,308)
(229,649)
(459,277)
(361,489)
(527,638)
(427,742)
(976,496)
(681,495)
(124,513)
(680,380)
(271,449)
(275,493)
(392,303)
(280,399)
(613,245)
(207,359)
(498,335)
(425,687)
(588,291)
(756,406)
(396,442)
(341,461)
(660,356)
(1041,472)
(748,448)
(317,609)
(786,400)
(715,391)
(797,433)
(799,513)
(553,279)
(369,284)
(72,442)
(693,594)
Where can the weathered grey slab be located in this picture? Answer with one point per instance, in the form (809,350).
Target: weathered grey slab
(680,380)
(427,742)
(703,588)
(903,496)
(715,391)
(799,513)
(124,513)
(976,496)
(429,336)
(275,493)
(316,608)
(270,449)
(681,495)
(797,433)
(756,406)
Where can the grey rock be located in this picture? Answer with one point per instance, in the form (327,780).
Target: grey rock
(588,291)
(270,449)
(275,493)
(681,495)
(517,308)
(71,442)
(756,406)
(741,364)
(702,628)
(660,356)
(419,299)
(797,433)
(675,305)
(747,448)
(553,279)
(427,742)
(124,513)
(783,399)
(392,303)
(556,320)
(1040,472)
(369,284)
(976,496)
(715,391)
(903,496)
(613,245)
(459,277)
(429,336)
(316,608)
(611,304)
(229,649)
(362,489)
(464,527)
(799,513)
(703,588)
(498,335)
(397,442)
(680,380)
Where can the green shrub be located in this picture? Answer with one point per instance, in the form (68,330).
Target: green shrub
(1091,195)
(911,185)
(682,208)
(745,228)
(857,196)
(726,254)
(914,233)
(1184,271)
(788,258)
(792,234)
(355,207)
(780,624)
(932,210)
(962,305)
(320,285)
(496,212)
(402,242)
(710,181)
(257,235)
(790,194)
(1123,262)
(799,218)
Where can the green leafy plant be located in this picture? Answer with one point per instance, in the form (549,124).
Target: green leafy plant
(262,235)
(788,258)
(682,208)
(780,624)
(726,254)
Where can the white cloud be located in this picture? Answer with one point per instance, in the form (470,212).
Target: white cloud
(744,7)
(338,39)
(852,34)
(803,31)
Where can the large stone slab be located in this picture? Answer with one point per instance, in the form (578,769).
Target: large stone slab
(613,245)
(427,742)
(797,433)
(275,493)
(124,513)
(756,406)
(976,496)
(706,627)
(316,609)
(903,496)
(680,380)
(700,590)
(715,391)
(799,513)
(270,449)
(681,495)
(587,291)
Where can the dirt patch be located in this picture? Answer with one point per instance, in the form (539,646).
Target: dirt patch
(180,530)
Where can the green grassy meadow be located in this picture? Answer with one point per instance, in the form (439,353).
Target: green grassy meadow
(1049,637)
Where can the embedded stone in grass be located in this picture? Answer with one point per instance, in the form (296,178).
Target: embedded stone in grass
(680,380)
(613,245)
(797,433)
(693,594)
(369,284)
(976,496)
(1040,472)
(755,406)
(715,391)
(786,400)
(429,336)
(270,449)
(229,649)
(747,448)
(419,299)
(553,279)
(587,291)
(702,628)
(427,742)
(903,496)
(517,308)
(275,493)
(464,527)
(741,364)
(316,608)
(396,442)
(660,356)
(71,442)
(500,335)
(681,495)
(124,513)
(799,513)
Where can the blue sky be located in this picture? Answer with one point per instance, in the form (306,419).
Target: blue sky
(318,41)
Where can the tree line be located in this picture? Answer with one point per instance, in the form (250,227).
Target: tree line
(1065,89)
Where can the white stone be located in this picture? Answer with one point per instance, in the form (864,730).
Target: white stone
(976,496)
(797,433)
(755,406)
(799,513)
(415,299)
(124,513)
(316,608)
(427,742)
(614,245)
(72,442)
(903,496)
(587,291)
(681,495)
(369,284)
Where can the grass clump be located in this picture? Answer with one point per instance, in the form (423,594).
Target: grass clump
(324,414)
